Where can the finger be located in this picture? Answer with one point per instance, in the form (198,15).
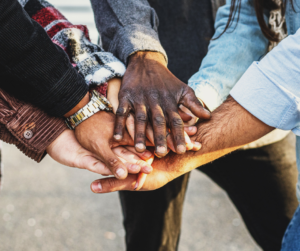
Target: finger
(92,164)
(121,116)
(193,104)
(196,146)
(150,134)
(140,181)
(147,156)
(170,142)
(114,164)
(188,142)
(159,131)
(133,160)
(109,185)
(190,130)
(186,111)
(184,116)
(141,119)
(177,130)
(130,125)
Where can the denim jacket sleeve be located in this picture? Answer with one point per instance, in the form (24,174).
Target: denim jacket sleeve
(270,88)
(230,55)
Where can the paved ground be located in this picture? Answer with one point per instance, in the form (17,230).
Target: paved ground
(49,207)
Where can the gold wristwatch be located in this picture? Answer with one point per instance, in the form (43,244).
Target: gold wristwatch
(96,104)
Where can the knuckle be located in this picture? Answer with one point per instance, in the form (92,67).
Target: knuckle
(111,183)
(179,138)
(159,121)
(160,138)
(153,95)
(112,162)
(140,135)
(141,117)
(177,122)
(122,111)
(119,127)
(124,151)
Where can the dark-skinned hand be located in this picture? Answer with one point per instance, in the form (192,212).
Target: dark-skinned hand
(153,93)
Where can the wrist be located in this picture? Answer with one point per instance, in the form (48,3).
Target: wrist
(81,104)
(147,55)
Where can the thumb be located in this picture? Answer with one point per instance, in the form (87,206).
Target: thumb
(194,105)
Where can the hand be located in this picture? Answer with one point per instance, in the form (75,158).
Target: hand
(188,131)
(162,173)
(66,150)
(152,92)
(230,128)
(96,135)
(113,89)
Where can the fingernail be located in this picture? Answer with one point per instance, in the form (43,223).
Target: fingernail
(181,149)
(117,137)
(161,149)
(136,186)
(191,128)
(120,173)
(198,144)
(147,154)
(140,146)
(97,187)
(207,111)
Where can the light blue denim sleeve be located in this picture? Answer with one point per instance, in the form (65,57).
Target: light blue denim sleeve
(230,55)
(270,89)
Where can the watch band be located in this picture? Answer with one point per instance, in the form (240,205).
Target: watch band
(96,104)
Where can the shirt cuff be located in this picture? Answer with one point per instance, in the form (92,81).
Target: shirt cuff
(266,100)
(133,38)
(207,93)
(34,130)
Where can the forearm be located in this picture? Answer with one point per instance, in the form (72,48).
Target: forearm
(42,72)
(230,55)
(230,127)
(30,129)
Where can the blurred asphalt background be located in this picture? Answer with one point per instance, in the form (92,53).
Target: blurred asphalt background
(49,207)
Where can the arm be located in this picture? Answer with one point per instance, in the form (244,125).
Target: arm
(127,27)
(230,127)
(269,90)
(129,30)
(42,72)
(90,60)
(230,55)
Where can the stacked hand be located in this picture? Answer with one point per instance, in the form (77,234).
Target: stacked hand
(148,114)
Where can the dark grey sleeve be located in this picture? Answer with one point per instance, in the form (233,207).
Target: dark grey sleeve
(127,26)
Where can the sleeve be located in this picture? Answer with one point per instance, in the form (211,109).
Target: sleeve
(46,77)
(127,26)
(270,88)
(27,127)
(91,61)
(229,55)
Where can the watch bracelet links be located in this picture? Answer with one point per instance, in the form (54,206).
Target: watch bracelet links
(96,104)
